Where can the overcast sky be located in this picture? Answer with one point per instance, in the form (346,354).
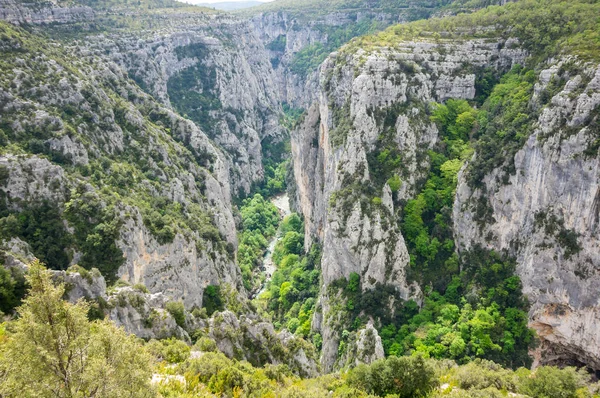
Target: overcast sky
(218,1)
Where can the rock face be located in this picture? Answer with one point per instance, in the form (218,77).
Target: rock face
(117,152)
(368,345)
(247,337)
(225,85)
(546,215)
(287,33)
(42,12)
(366,101)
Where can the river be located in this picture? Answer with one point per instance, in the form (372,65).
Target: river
(282,202)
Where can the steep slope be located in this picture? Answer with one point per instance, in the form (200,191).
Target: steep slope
(110,178)
(42,11)
(300,34)
(365,149)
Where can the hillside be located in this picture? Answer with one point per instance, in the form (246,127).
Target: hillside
(427,201)
(303,199)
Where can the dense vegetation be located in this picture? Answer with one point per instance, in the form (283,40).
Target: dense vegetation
(544,27)
(260,219)
(53,350)
(291,294)
(491,321)
(474,307)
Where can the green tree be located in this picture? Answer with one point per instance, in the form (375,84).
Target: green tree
(402,376)
(12,288)
(52,350)
(552,382)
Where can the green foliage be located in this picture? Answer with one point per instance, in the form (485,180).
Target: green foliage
(53,350)
(177,310)
(552,382)
(12,289)
(96,230)
(40,225)
(308,59)
(169,350)
(545,27)
(291,116)
(212,299)
(260,219)
(395,183)
(504,125)
(206,344)
(383,162)
(404,377)
(554,227)
(192,90)
(427,220)
(407,377)
(491,324)
(278,44)
(291,294)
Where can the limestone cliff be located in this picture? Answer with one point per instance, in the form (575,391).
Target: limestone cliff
(214,70)
(42,12)
(545,214)
(123,183)
(368,100)
(299,36)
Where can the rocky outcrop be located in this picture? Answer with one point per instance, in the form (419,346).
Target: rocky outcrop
(247,337)
(546,215)
(226,86)
(115,157)
(368,101)
(42,12)
(147,315)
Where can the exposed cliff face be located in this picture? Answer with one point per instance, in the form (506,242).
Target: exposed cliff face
(42,12)
(546,215)
(214,70)
(106,159)
(366,101)
(296,37)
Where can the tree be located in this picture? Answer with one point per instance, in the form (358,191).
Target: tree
(52,350)
(402,376)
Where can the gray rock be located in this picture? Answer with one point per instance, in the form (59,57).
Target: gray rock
(357,234)
(555,178)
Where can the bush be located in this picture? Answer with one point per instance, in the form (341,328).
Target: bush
(206,344)
(177,310)
(12,289)
(170,350)
(212,299)
(481,374)
(552,382)
(403,376)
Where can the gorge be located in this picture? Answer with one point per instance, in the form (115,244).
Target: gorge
(440,160)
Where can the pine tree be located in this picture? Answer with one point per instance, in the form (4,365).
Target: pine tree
(53,350)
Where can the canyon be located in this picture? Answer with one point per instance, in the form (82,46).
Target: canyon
(178,110)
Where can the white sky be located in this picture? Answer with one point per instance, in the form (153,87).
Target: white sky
(218,1)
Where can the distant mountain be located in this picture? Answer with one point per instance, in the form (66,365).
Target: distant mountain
(231,5)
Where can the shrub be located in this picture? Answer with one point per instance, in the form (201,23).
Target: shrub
(212,299)
(206,344)
(170,350)
(177,310)
(552,382)
(403,376)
